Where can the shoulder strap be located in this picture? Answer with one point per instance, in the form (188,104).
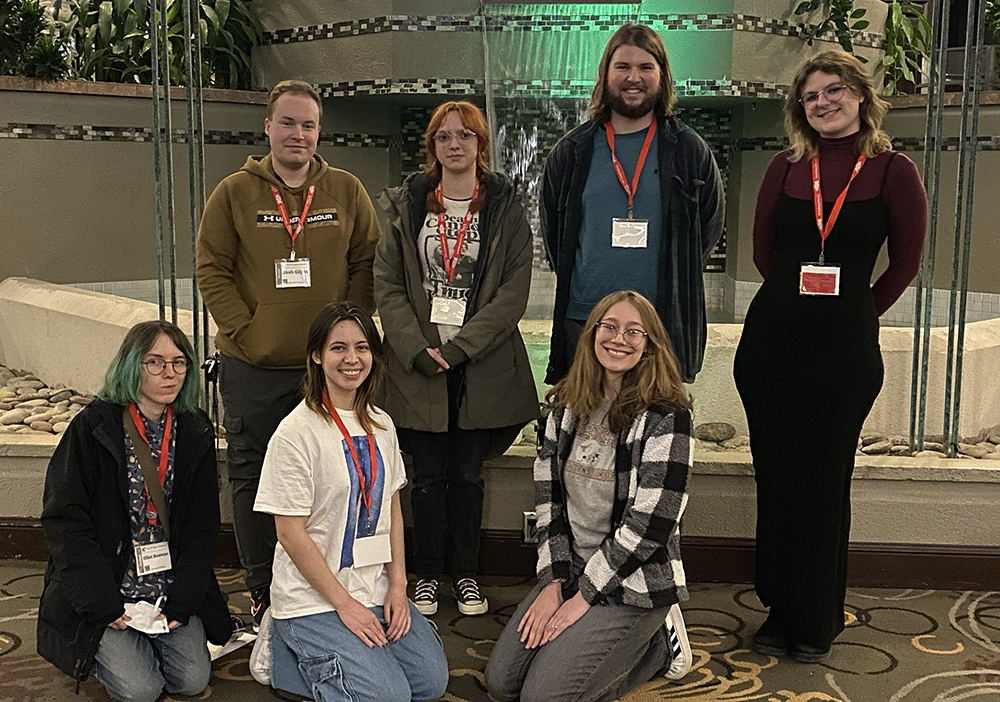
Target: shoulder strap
(149,474)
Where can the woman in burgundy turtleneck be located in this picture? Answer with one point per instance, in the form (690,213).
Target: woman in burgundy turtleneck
(808,367)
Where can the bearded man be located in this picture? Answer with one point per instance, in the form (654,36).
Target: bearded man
(632,199)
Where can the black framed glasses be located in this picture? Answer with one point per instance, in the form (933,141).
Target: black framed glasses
(607,332)
(156,366)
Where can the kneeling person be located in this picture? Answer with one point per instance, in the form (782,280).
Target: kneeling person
(331,478)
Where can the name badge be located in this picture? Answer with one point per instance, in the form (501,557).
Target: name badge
(152,558)
(290,273)
(628,233)
(447,311)
(817,279)
(372,550)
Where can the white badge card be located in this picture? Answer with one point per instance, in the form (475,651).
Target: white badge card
(447,311)
(152,558)
(628,233)
(816,279)
(372,550)
(290,273)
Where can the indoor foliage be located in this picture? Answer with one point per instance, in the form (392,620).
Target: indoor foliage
(26,44)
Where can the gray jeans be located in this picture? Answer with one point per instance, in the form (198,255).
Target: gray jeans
(609,651)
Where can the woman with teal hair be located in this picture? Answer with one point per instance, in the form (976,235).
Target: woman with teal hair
(131,518)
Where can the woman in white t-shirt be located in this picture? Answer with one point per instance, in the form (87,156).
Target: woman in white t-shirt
(331,478)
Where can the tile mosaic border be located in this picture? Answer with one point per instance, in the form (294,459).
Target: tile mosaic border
(732,21)
(84,132)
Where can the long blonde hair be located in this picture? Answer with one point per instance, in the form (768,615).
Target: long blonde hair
(656,379)
(804,139)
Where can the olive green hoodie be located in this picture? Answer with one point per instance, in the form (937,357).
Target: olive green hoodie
(242,235)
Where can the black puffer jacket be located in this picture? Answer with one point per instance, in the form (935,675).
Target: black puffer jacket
(86,524)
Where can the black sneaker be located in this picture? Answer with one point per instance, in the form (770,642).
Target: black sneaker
(804,653)
(260,600)
(770,639)
(470,601)
(425,596)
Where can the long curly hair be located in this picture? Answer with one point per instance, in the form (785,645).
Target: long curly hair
(656,379)
(804,139)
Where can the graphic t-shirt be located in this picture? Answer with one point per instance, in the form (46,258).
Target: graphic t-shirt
(589,476)
(435,278)
(308,471)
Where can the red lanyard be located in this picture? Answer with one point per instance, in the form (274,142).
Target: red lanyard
(825,229)
(620,172)
(287,220)
(451,260)
(366,489)
(164,451)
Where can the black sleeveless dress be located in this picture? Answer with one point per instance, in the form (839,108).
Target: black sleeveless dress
(808,370)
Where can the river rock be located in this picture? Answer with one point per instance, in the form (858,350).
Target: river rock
(80,400)
(901,450)
(700,445)
(715,431)
(995,456)
(972,450)
(7,392)
(929,454)
(878,447)
(4,406)
(900,441)
(994,437)
(60,396)
(933,446)
(74,407)
(60,427)
(869,439)
(62,406)
(41,426)
(60,417)
(33,384)
(15,416)
(38,402)
(735,442)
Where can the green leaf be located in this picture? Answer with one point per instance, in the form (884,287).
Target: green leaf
(859,25)
(203,31)
(210,14)
(858,13)
(222,10)
(104,20)
(122,6)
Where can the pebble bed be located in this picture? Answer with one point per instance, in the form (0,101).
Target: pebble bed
(721,436)
(29,406)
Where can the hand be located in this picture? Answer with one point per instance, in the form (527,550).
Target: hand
(571,610)
(363,623)
(533,623)
(396,609)
(173,624)
(436,355)
(121,623)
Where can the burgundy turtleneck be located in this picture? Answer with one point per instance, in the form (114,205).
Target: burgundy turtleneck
(890,175)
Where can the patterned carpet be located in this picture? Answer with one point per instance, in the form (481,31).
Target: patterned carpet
(900,646)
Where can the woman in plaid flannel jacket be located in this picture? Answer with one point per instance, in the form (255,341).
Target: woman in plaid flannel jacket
(605,619)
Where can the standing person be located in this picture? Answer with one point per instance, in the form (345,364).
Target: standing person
(131,519)
(809,362)
(634,195)
(610,486)
(281,238)
(331,479)
(451,281)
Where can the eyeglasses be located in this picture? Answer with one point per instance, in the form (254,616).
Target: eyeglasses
(463,135)
(833,93)
(607,332)
(156,366)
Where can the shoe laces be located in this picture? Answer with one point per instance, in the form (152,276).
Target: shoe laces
(468,590)
(426,590)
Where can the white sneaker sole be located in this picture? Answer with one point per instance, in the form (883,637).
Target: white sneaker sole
(427,608)
(474,610)
(681,664)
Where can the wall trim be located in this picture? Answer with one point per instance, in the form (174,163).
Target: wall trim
(706,559)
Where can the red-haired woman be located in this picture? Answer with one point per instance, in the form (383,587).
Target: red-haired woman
(451,282)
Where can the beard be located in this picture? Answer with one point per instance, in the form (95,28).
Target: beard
(618,104)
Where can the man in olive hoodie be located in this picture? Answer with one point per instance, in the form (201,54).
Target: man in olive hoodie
(264,274)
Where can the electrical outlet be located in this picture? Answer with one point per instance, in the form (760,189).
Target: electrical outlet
(529,528)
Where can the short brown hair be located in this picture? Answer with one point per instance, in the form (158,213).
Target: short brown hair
(295,87)
(473,120)
(641,37)
(803,138)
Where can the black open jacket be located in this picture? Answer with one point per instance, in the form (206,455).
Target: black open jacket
(693,207)
(86,523)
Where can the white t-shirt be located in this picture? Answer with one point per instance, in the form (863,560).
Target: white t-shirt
(308,471)
(435,278)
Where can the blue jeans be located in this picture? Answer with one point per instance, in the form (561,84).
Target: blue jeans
(340,668)
(137,667)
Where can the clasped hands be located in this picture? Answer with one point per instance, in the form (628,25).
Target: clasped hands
(548,616)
